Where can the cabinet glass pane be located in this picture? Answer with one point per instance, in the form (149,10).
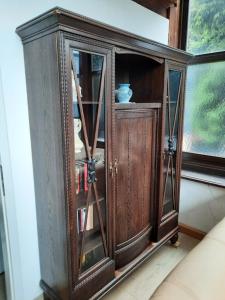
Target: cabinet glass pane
(88,86)
(170,143)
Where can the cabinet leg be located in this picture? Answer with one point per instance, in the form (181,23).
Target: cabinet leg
(174,241)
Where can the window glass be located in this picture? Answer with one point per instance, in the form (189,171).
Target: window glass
(204,122)
(206,30)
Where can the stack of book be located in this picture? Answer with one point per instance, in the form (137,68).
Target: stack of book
(81,176)
(81,215)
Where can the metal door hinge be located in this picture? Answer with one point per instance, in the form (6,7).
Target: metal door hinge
(2,180)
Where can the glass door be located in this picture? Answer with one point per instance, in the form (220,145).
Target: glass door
(171,139)
(88,88)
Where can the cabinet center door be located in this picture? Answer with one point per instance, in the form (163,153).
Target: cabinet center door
(135,152)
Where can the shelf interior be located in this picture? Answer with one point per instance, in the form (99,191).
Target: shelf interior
(145,76)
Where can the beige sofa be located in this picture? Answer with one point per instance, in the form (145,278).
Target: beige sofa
(201,274)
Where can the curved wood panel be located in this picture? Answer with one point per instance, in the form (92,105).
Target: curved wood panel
(135,140)
(132,249)
(125,51)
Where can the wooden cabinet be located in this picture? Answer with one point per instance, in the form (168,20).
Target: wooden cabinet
(106,174)
(135,137)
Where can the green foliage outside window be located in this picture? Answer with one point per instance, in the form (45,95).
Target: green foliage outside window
(205,109)
(205,97)
(206,30)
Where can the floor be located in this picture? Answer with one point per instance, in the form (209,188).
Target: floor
(143,282)
(2,287)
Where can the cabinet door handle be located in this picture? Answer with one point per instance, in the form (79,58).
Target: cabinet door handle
(111,169)
(116,165)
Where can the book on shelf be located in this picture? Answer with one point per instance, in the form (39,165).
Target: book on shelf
(77,180)
(81,176)
(81,216)
(91,257)
(90,218)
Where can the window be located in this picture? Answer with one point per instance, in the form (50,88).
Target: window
(204,126)
(206,31)
(204,119)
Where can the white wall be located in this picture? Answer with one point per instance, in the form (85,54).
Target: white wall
(7,207)
(202,205)
(15,145)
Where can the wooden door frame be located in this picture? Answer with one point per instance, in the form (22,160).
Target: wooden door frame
(86,45)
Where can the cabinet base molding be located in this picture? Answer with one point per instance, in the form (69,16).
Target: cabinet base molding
(98,279)
(123,273)
(191,231)
(120,274)
(166,226)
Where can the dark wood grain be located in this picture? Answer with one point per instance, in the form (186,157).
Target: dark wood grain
(132,173)
(47,146)
(168,225)
(85,289)
(204,164)
(170,165)
(126,106)
(184,14)
(174,14)
(158,6)
(135,139)
(71,22)
(94,278)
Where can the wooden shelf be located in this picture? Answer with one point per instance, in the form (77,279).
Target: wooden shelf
(92,242)
(81,197)
(171,102)
(89,102)
(132,105)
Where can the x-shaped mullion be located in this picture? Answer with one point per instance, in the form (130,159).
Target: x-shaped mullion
(81,111)
(169,167)
(169,110)
(99,108)
(171,134)
(90,156)
(177,106)
(100,219)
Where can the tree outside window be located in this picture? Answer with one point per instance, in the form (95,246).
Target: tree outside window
(204,123)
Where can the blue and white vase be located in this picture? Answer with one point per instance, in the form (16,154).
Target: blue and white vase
(124,93)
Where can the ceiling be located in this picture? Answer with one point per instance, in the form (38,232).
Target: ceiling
(158,6)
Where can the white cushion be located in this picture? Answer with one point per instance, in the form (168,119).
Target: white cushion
(201,274)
